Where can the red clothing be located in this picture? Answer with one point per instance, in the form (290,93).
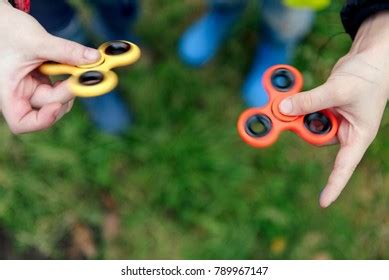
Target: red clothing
(23,5)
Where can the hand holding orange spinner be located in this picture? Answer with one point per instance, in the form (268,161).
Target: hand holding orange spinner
(261,127)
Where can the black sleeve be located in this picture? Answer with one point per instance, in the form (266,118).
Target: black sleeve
(355,12)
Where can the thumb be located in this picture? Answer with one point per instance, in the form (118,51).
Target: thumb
(67,52)
(308,102)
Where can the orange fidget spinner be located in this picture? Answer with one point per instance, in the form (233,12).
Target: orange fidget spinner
(261,127)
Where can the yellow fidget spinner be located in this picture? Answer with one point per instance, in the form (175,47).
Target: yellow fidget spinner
(98,78)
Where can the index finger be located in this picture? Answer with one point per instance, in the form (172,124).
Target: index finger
(346,162)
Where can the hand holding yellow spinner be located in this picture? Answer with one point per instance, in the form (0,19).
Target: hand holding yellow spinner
(98,78)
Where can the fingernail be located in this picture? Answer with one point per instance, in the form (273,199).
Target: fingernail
(324,201)
(91,54)
(324,204)
(286,106)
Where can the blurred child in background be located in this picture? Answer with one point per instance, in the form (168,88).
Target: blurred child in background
(111,20)
(283,28)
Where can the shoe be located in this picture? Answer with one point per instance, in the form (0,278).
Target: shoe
(109,113)
(267,55)
(202,40)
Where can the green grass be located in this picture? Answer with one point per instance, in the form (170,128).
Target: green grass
(181,184)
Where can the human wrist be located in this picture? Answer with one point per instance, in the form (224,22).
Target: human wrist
(371,46)
(373,36)
(356,12)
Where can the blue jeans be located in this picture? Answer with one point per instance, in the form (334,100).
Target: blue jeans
(281,24)
(59,18)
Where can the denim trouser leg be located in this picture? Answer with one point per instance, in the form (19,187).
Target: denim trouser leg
(283,24)
(60,19)
(118,15)
(228,3)
(53,15)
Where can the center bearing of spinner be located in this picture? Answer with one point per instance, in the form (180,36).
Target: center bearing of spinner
(276,111)
(93,65)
